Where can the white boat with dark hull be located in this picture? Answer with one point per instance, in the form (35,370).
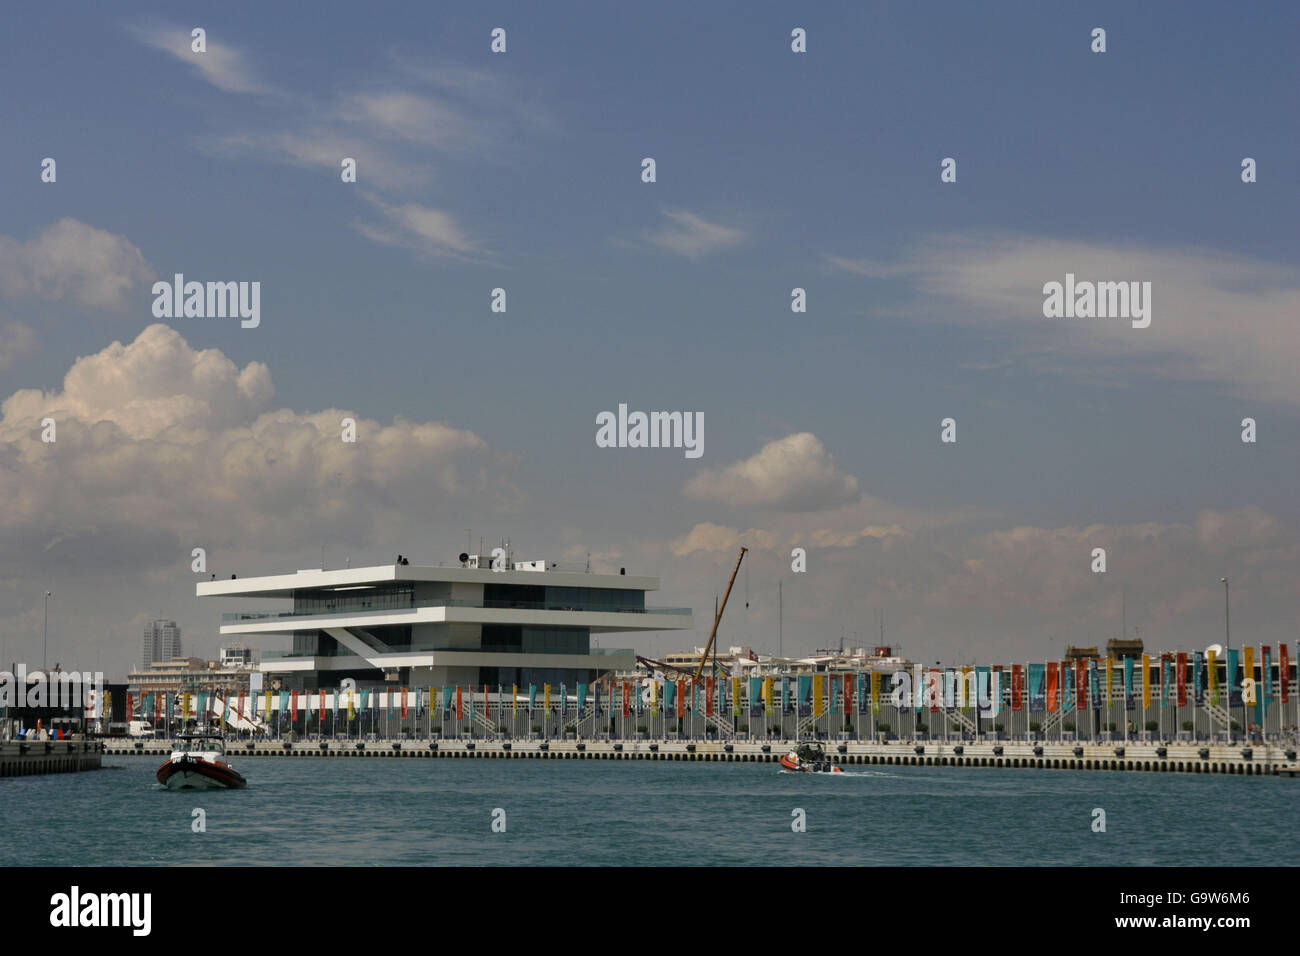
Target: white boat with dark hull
(199,763)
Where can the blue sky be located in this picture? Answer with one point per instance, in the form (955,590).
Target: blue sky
(775,170)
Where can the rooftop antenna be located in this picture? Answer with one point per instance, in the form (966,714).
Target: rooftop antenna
(1123,604)
(780,619)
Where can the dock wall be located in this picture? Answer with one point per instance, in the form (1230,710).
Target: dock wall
(1155,758)
(20,758)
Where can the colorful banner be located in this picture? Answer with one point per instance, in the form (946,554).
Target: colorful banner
(849,681)
(1067,686)
(1248,675)
(756,697)
(1081,684)
(875,692)
(1146,681)
(681,702)
(1128,686)
(769,689)
(818,694)
(460,702)
(1267,697)
(1017,688)
(1198,679)
(1181,678)
(1094,686)
(627,694)
(1037,688)
(1234,686)
(1212,669)
(1284,665)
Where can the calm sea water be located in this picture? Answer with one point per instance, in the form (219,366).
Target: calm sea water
(439,812)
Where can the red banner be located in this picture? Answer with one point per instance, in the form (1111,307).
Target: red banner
(708,693)
(1053,686)
(1285,664)
(1017,686)
(460,705)
(681,699)
(1182,679)
(130,707)
(850,680)
(293,705)
(1081,685)
(403,703)
(627,696)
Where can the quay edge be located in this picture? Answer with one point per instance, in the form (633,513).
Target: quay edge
(1258,760)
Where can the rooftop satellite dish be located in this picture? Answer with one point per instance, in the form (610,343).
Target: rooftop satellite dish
(1216,648)
(464,557)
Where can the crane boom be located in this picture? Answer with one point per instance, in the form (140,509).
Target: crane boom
(714,633)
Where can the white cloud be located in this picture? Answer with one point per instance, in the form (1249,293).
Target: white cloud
(1217,318)
(423,229)
(795,473)
(224,66)
(72,260)
(17,342)
(693,237)
(160,444)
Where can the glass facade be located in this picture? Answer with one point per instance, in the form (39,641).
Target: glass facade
(383,597)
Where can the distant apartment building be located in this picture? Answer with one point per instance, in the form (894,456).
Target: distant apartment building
(162,642)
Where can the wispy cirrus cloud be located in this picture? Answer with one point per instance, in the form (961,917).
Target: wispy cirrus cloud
(1217,318)
(692,236)
(224,66)
(422,229)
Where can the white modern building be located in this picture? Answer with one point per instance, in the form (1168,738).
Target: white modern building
(463,625)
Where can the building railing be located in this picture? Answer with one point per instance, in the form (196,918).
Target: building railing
(343,652)
(348,607)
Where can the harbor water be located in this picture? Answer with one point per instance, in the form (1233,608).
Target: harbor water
(640,813)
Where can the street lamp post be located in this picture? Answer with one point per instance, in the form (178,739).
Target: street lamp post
(1227,645)
(45,634)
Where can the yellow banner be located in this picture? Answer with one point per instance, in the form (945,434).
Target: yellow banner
(735,693)
(875,692)
(514,707)
(767,694)
(966,694)
(268,704)
(818,691)
(1248,673)
(546,693)
(1212,663)
(1110,669)
(1146,680)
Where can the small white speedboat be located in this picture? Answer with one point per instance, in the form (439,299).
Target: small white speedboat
(199,763)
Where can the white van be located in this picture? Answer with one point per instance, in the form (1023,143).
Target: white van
(140,728)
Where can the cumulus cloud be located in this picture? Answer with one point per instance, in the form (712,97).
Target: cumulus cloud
(692,236)
(1217,318)
(794,473)
(75,261)
(159,442)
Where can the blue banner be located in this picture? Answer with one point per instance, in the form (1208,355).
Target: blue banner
(1037,687)
(805,695)
(1128,685)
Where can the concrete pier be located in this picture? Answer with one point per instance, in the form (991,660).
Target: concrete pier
(19,758)
(1257,760)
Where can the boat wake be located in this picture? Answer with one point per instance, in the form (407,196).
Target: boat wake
(846,773)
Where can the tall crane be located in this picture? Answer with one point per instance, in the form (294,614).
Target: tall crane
(714,633)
